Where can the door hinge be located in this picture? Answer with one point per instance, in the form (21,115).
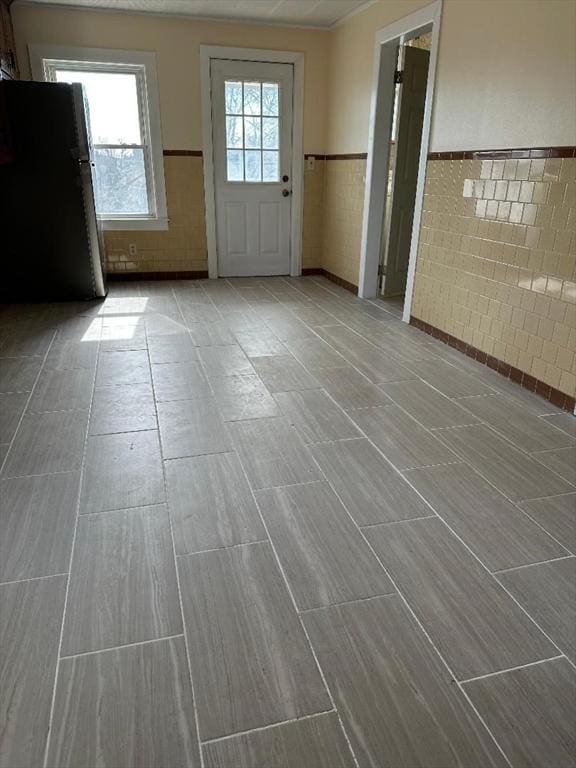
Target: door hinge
(398,76)
(381,270)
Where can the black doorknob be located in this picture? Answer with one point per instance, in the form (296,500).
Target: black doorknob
(285,178)
(285,192)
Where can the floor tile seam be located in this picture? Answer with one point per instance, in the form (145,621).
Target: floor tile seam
(58,410)
(268,727)
(533,565)
(15,391)
(296,609)
(193,692)
(119,432)
(551,450)
(82,470)
(132,508)
(339,322)
(548,418)
(38,474)
(538,524)
(515,502)
(514,669)
(545,498)
(502,435)
(32,578)
(222,549)
(354,367)
(513,445)
(344,603)
(397,522)
(26,404)
(122,646)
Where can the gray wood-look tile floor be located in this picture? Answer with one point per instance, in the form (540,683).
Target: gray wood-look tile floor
(261,523)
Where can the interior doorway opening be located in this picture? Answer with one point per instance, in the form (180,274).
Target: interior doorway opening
(410,80)
(405,57)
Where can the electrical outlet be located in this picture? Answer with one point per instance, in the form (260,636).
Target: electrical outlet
(132,249)
(310,163)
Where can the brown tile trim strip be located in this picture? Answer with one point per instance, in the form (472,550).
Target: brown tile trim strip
(356,156)
(129,276)
(318,156)
(333,278)
(533,153)
(182,153)
(560,399)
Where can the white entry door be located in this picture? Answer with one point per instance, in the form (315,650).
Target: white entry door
(252,140)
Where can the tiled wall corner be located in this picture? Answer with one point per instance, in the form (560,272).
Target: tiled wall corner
(343,208)
(180,248)
(497,261)
(313,220)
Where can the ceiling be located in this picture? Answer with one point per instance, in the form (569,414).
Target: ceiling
(310,13)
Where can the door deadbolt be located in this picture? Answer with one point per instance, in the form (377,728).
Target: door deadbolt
(285,178)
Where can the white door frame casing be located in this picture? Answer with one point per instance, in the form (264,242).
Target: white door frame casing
(207,53)
(381,108)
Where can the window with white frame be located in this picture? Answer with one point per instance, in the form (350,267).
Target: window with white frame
(124,128)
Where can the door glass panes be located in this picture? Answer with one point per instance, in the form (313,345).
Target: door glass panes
(252,165)
(233,98)
(270,170)
(252,131)
(116,137)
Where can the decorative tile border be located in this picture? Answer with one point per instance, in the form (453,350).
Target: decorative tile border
(317,155)
(528,153)
(555,396)
(130,276)
(333,278)
(182,153)
(351,156)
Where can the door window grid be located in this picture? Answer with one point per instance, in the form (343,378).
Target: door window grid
(252,110)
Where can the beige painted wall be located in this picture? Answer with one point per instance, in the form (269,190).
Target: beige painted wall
(350,73)
(506,74)
(177,44)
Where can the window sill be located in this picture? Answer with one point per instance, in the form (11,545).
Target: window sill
(134,224)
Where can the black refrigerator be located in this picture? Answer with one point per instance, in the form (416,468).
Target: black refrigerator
(50,246)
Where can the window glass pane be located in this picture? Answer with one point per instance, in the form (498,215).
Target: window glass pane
(120,181)
(270,100)
(252,162)
(270,132)
(234,165)
(251,98)
(252,133)
(234,132)
(270,166)
(113,105)
(233,97)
